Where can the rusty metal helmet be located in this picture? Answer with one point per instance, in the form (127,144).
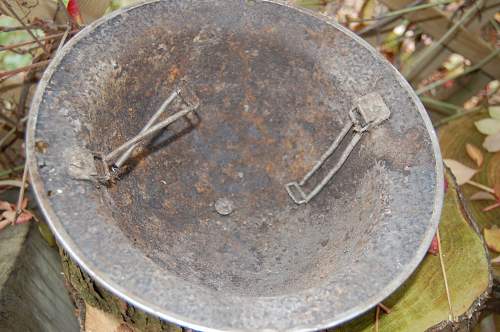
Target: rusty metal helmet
(303,188)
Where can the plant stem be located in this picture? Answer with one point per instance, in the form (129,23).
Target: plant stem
(13,13)
(441,106)
(385,308)
(441,260)
(7,74)
(10,171)
(10,47)
(480,186)
(477,66)
(456,116)
(378,25)
(21,192)
(430,52)
(10,183)
(403,11)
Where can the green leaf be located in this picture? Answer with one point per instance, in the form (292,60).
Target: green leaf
(14,61)
(494,112)
(368,9)
(488,126)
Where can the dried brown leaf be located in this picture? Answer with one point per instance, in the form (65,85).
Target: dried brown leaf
(9,215)
(496,260)
(461,172)
(488,126)
(492,143)
(368,9)
(24,217)
(5,205)
(482,196)
(492,238)
(434,248)
(475,154)
(4,223)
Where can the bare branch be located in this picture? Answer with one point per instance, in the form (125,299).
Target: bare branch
(14,14)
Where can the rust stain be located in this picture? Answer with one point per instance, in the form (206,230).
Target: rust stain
(173,73)
(320,38)
(269,168)
(249,97)
(227,101)
(169,205)
(202,187)
(269,29)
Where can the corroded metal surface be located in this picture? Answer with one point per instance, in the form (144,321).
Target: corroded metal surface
(201,231)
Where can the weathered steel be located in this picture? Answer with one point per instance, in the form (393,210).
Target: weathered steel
(275,84)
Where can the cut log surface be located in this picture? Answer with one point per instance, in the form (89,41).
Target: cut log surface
(421,303)
(32,292)
(453,137)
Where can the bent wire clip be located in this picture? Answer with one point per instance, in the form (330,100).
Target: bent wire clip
(369,112)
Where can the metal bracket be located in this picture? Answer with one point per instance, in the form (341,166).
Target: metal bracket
(117,158)
(370,111)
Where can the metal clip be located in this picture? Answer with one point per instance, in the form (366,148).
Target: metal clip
(369,112)
(123,152)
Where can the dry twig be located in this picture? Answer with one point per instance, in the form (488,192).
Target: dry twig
(28,30)
(441,260)
(6,74)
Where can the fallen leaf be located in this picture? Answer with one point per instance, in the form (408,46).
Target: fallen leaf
(5,205)
(496,260)
(4,223)
(368,9)
(492,238)
(74,11)
(9,213)
(488,126)
(454,61)
(461,172)
(46,234)
(494,112)
(482,196)
(24,217)
(492,143)
(475,154)
(434,248)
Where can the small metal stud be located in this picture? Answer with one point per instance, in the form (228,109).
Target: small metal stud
(224,206)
